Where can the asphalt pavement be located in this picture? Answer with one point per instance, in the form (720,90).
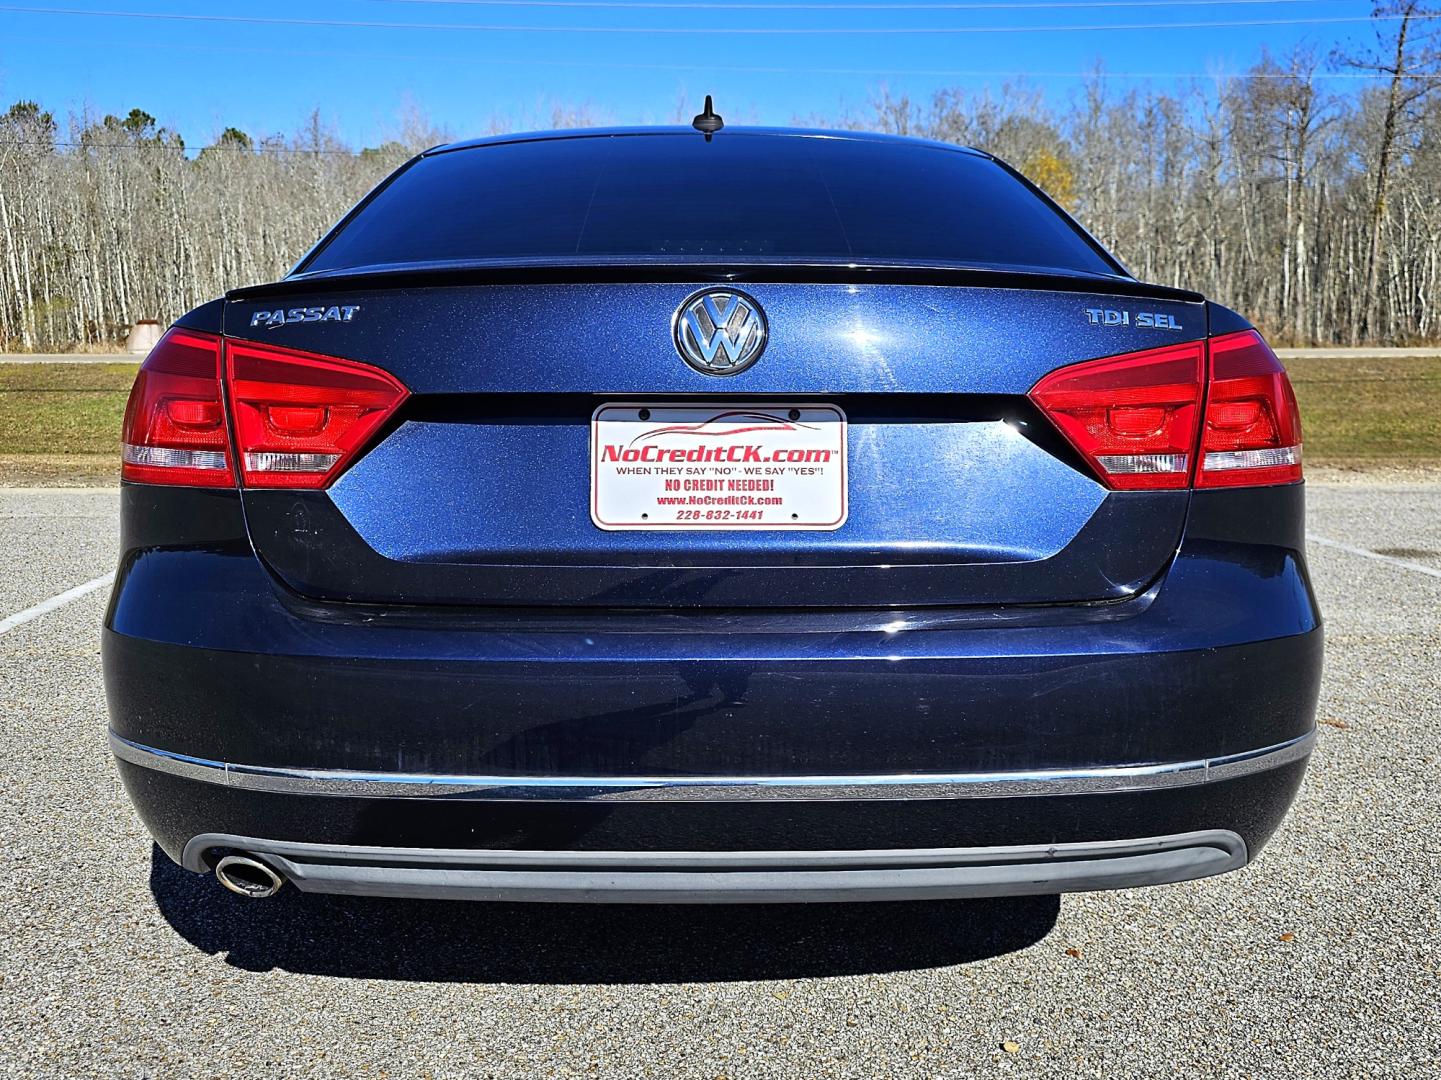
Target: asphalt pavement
(1322,959)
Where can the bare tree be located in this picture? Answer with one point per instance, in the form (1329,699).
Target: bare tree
(1411,62)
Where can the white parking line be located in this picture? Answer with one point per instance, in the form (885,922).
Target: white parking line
(10,622)
(1404,564)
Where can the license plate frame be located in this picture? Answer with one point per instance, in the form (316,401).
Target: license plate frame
(703,466)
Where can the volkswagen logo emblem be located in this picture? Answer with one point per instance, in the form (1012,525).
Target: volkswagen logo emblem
(720,331)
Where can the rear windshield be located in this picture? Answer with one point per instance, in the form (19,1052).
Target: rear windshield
(678,198)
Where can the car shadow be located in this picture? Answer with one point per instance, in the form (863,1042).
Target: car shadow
(457,941)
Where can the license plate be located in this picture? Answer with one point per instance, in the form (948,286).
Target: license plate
(711,466)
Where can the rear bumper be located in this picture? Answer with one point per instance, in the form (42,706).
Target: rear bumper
(241,711)
(559,839)
(727,843)
(677,877)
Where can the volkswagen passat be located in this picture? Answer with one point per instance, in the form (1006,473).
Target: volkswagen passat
(643,515)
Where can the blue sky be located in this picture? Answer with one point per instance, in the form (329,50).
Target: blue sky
(621,58)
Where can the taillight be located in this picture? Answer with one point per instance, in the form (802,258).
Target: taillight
(1137,418)
(1252,432)
(300,419)
(1132,417)
(174,430)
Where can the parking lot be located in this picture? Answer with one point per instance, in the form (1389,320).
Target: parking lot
(1321,960)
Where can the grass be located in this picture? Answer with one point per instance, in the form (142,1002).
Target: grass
(63,408)
(1360,413)
(60,423)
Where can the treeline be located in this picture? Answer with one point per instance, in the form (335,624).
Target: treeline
(1266,193)
(111,221)
(1315,210)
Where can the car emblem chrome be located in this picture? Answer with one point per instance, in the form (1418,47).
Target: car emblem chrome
(720,331)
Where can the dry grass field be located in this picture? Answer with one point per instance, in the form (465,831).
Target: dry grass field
(60,423)
(1383,411)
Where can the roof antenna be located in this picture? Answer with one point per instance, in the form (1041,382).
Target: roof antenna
(708,122)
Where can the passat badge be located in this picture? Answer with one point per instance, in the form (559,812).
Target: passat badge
(720,331)
(285,316)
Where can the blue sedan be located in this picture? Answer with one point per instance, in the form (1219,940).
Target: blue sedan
(711,515)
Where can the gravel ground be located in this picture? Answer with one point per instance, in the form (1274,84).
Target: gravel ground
(52,541)
(1320,960)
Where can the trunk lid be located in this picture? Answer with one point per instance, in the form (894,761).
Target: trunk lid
(478,492)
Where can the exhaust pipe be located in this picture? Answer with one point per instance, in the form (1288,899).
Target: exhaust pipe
(245,876)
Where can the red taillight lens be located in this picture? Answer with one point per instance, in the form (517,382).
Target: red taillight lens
(300,419)
(174,431)
(1252,432)
(1133,417)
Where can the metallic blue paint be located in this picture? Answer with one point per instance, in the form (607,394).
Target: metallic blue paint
(614,338)
(477,508)
(1122,547)
(1173,674)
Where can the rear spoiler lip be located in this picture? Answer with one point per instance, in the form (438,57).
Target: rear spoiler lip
(800,272)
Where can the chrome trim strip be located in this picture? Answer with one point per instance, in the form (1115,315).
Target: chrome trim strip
(716,788)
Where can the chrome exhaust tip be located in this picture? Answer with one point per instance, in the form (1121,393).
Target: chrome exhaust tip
(245,876)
